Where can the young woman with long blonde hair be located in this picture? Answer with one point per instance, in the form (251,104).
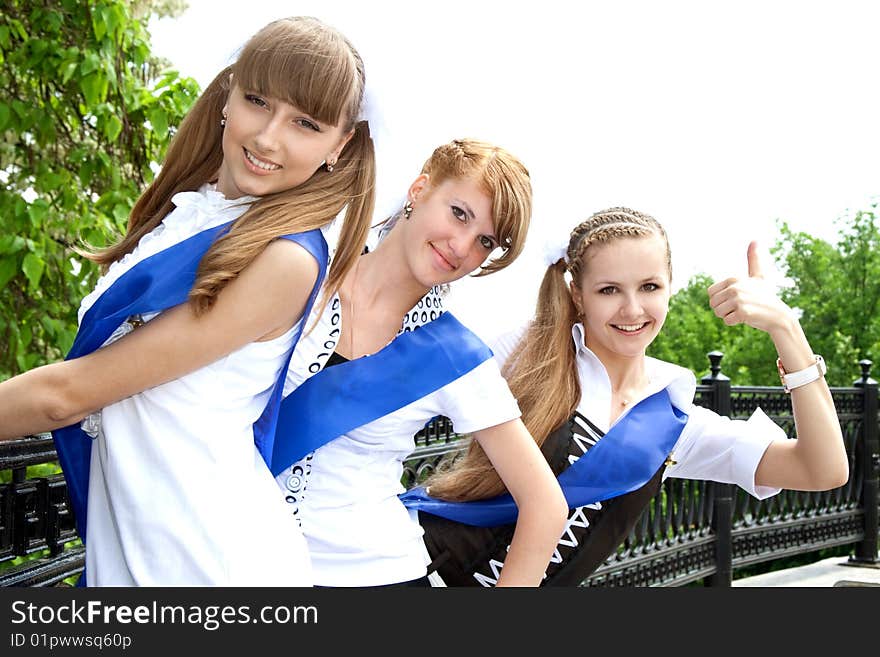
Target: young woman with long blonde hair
(612,422)
(164,411)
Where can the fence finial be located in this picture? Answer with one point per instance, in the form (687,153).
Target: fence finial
(866,379)
(715,363)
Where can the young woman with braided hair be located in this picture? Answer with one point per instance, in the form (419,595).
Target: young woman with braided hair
(612,422)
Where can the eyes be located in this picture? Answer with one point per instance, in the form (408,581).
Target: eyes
(255,100)
(259,101)
(485,241)
(608,290)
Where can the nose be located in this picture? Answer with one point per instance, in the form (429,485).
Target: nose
(632,307)
(460,244)
(268,136)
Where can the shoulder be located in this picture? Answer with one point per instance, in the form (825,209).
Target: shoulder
(275,285)
(679,382)
(284,258)
(314,242)
(478,399)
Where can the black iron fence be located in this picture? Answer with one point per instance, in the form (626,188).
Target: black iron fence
(692,529)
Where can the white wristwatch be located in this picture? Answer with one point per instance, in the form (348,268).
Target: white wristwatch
(792,380)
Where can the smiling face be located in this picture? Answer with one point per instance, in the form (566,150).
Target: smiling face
(623,295)
(270,145)
(451,231)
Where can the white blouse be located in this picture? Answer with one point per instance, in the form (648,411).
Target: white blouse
(178,493)
(711,446)
(345,493)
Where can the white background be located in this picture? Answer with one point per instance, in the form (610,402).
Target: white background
(715,118)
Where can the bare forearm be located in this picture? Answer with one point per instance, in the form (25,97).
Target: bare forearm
(29,403)
(817,460)
(540,502)
(536,536)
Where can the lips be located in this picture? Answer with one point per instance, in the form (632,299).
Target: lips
(259,165)
(442,260)
(630,329)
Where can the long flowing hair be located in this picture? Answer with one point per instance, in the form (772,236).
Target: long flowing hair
(542,369)
(304,62)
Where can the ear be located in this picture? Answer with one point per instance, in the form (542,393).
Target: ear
(334,155)
(575,292)
(229,91)
(418,187)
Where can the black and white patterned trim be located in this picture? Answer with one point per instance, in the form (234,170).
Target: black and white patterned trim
(297,480)
(583,436)
(429,308)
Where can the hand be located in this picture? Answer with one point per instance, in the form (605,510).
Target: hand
(751,301)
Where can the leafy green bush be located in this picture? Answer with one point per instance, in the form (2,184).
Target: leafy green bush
(86,113)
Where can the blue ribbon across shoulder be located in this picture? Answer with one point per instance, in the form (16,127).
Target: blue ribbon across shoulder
(349,395)
(157,283)
(622,461)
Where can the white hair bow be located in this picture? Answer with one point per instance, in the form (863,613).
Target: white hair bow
(555,248)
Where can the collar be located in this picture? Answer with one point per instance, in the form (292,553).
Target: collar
(207,199)
(596,385)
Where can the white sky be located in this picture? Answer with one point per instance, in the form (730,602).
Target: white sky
(715,119)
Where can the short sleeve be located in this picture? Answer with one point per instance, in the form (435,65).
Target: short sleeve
(716,448)
(479,399)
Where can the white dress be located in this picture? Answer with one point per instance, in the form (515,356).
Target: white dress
(178,493)
(345,493)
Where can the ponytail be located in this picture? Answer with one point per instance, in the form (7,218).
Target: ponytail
(194,157)
(542,375)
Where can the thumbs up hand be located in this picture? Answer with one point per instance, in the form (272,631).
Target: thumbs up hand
(754,261)
(750,300)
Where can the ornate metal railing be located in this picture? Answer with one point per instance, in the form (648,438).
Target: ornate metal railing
(691,530)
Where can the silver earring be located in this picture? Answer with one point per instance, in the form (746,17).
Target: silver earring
(223,121)
(407,210)
(330,166)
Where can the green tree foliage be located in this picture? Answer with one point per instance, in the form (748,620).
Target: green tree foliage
(837,289)
(692,330)
(86,113)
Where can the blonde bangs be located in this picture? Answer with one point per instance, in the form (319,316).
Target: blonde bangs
(313,69)
(502,176)
(506,180)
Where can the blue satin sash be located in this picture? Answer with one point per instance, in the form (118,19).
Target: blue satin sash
(355,393)
(157,283)
(622,461)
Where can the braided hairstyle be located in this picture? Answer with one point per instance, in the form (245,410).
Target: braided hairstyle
(608,225)
(542,370)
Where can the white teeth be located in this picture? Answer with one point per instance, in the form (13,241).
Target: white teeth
(629,328)
(259,163)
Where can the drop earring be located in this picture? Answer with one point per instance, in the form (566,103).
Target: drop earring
(407,210)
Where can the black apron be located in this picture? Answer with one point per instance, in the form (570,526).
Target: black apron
(464,555)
